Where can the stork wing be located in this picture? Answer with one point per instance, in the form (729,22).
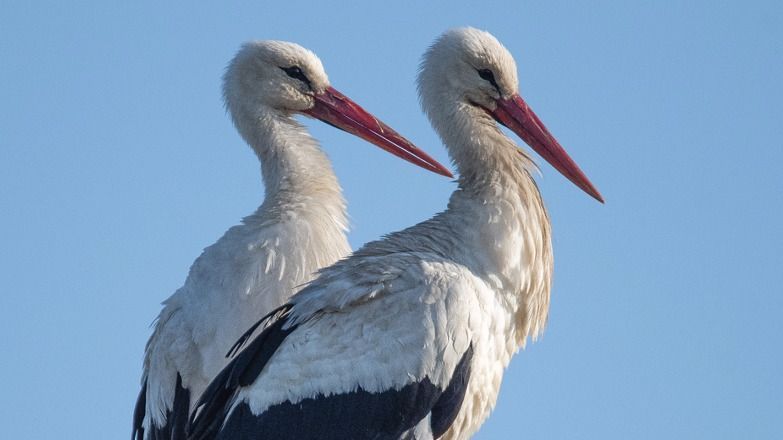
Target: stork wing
(334,374)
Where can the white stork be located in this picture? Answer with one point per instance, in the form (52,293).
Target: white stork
(409,337)
(257,265)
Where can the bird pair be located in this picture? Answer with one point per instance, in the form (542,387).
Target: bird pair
(408,337)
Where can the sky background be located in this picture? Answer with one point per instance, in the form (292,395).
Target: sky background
(118,165)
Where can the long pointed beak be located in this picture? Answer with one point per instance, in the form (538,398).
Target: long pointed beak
(337,110)
(515,114)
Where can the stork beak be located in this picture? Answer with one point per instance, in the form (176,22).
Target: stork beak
(337,110)
(515,114)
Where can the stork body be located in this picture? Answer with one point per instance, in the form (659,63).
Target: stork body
(257,265)
(409,337)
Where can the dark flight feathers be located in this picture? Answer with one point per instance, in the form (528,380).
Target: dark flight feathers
(358,414)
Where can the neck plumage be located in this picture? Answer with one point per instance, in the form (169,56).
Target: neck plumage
(498,216)
(297,174)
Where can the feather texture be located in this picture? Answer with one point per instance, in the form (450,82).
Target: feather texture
(257,265)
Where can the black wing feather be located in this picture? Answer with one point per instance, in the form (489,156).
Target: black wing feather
(215,402)
(448,405)
(356,415)
(138,413)
(274,314)
(176,417)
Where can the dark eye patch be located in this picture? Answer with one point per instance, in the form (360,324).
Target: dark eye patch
(487,75)
(296,73)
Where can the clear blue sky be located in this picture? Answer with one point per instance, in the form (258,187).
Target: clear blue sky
(118,165)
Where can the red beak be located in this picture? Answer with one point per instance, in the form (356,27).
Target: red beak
(515,114)
(337,110)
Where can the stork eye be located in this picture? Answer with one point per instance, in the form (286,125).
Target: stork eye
(487,75)
(296,73)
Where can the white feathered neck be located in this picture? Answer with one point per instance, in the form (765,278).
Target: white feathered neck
(495,223)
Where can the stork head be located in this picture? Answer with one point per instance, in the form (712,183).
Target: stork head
(273,75)
(467,76)
(281,78)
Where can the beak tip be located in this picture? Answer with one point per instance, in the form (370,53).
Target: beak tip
(515,114)
(588,188)
(596,195)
